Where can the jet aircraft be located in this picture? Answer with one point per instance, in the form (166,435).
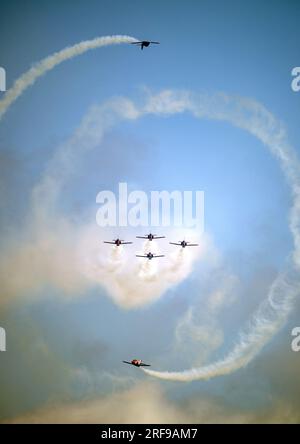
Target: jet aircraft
(150,255)
(117,242)
(137,363)
(150,237)
(184,244)
(145,43)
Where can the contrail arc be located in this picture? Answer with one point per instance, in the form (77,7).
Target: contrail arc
(39,69)
(273,312)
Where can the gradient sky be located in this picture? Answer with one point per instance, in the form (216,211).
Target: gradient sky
(71,349)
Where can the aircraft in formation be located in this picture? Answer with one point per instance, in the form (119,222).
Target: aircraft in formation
(137,363)
(151,237)
(150,255)
(117,242)
(145,43)
(184,244)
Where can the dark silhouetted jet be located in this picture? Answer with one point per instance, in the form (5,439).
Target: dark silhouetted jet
(144,43)
(150,237)
(184,244)
(137,363)
(150,255)
(117,242)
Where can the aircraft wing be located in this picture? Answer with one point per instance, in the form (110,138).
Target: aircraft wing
(107,242)
(126,243)
(192,245)
(136,43)
(159,255)
(139,255)
(126,362)
(159,237)
(141,237)
(156,43)
(174,243)
(145,365)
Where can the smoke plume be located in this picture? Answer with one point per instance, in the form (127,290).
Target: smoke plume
(39,69)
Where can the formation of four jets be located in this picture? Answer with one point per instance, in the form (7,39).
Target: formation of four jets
(150,237)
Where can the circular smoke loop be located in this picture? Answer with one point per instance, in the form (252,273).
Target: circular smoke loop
(273,312)
(243,113)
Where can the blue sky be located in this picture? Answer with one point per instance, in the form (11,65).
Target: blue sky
(240,48)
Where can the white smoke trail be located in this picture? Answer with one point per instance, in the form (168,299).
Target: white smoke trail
(177,260)
(273,312)
(271,315)
(29,77)
(268,319)
(116,258)
(148,270)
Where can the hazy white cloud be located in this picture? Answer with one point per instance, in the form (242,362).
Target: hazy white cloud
(198,332)
(146,403)
(53,251)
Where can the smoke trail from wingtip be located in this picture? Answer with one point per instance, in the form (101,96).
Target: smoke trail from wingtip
(39,69)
